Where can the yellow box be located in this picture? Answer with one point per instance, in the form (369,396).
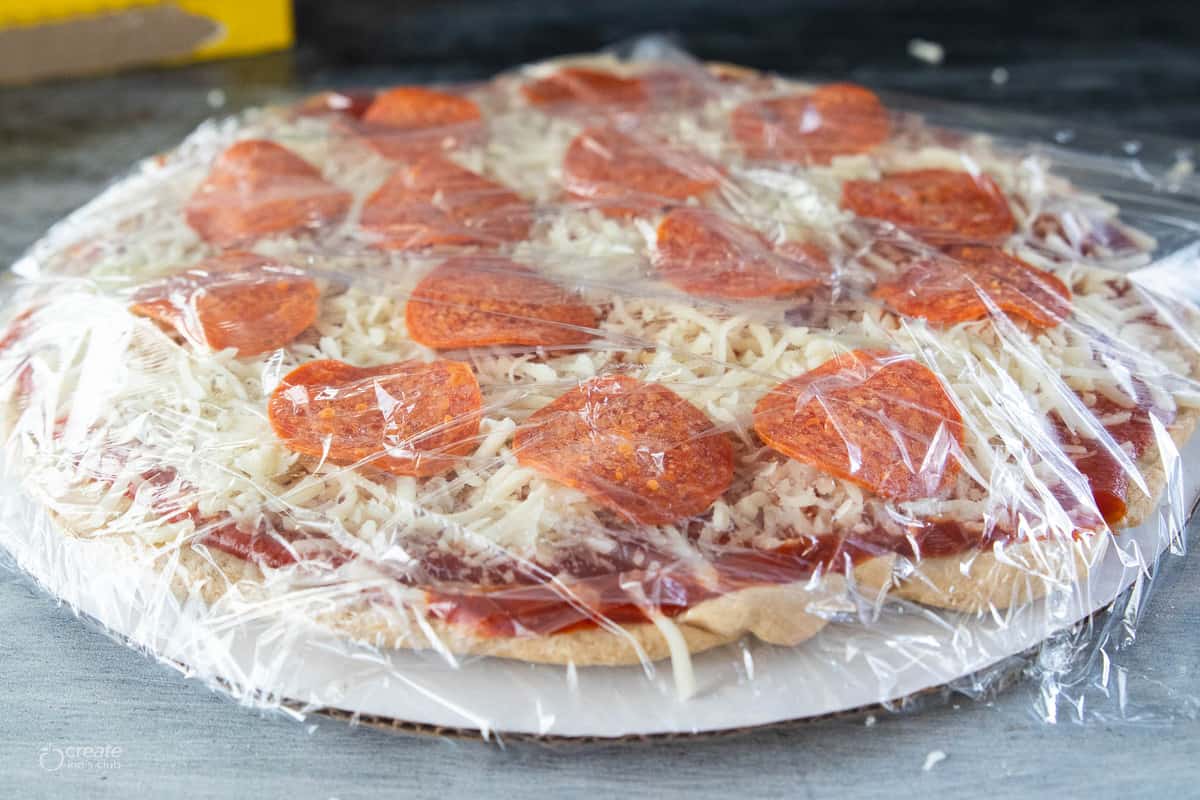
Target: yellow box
(55,38)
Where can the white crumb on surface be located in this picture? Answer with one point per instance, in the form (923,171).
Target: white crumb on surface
(1000,76)
(927,51)
(934,758)
(869,721)
(215,98)
(1183,168)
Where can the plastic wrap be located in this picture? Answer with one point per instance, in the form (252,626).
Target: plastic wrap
(616,395)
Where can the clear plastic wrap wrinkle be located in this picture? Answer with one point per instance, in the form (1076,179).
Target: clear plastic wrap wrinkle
(620,394)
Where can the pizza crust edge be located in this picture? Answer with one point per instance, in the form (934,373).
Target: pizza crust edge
(978,581)
(778,614)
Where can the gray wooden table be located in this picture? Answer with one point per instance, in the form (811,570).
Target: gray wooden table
(64,684)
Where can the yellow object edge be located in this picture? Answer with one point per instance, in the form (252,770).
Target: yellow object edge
(246,26)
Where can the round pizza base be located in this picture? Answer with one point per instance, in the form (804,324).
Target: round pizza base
(737,685)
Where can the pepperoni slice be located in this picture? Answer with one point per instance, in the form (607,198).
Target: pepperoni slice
(958,286)
(352,103)
(409,418)
(627,177)
(409,120)
(476,302)
(704,254)
(240,300)
(585,86)
(878,419)
(270,548)
(636,448)
(258,188)
(1106,476)
(937,205)
(812,128)
(436,202)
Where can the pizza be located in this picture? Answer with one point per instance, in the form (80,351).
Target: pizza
(597,362)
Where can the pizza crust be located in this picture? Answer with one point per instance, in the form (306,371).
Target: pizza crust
(1000,579)
(980,581)
(590,647)
(786,614)
(781,615)
(1141,506)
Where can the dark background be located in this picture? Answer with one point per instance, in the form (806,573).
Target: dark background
(1136,63)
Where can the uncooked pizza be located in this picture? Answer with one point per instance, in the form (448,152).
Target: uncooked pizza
(598,362)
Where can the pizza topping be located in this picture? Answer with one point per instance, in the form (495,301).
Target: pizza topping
(270,548)
(241,300)
(173,500)
(476,302)
(679,86)
(18,328)
(624,590)
(937,205)
(704,254)
(878,419)
(834,120)
(262,549)
(1084,233)
(625,177)
(550,609)
(409,120)
(435,202)
(410,418)
(628,590)
(585,86)
(929,538)
(351,103)
(963,282)
(737,75)
(1107,477)
(258,188)
(636,448)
